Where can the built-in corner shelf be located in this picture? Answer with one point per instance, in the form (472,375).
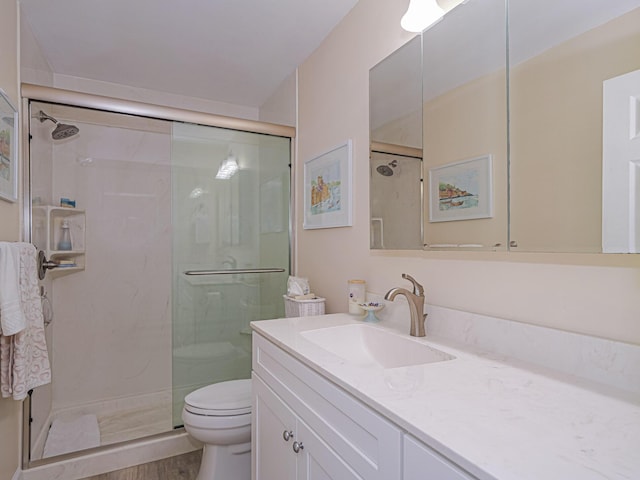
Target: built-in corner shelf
(47,228)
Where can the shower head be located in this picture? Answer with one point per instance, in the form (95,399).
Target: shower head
(386,170)
(62,130)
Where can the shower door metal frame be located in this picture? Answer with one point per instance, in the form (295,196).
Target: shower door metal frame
(37,93)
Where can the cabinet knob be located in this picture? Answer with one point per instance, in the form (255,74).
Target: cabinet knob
(297,446)
(287,435)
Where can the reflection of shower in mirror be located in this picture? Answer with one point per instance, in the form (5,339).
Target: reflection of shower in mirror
(387,170)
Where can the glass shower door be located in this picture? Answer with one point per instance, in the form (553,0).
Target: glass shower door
(231,251)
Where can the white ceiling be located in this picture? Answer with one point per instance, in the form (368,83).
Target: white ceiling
(234,51)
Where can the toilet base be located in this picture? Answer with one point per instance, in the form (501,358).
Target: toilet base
(226,462)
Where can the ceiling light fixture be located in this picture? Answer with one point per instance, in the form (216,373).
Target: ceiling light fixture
(228,168)
(420,15)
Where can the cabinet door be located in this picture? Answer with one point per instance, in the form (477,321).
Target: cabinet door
(273,457)
(316,461)
(422,463)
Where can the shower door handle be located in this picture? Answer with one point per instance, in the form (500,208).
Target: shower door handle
(234,271)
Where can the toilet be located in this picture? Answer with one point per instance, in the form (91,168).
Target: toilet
(219,416)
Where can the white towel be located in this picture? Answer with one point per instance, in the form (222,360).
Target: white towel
(12,318)
(24,359)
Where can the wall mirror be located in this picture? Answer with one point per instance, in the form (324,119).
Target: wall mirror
(465,129)
(575,125)
(456,72)
(571,182)
(395,89)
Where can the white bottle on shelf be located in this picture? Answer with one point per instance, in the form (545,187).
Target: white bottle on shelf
(65,237)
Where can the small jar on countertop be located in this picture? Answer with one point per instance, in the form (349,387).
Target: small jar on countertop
(357,294)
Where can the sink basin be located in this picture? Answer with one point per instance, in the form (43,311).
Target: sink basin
(363,345)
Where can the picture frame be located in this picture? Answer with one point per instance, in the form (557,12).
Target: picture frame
(8,149)
(328,189)
(461,190)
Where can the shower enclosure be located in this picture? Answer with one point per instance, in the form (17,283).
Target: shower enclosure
(180,238)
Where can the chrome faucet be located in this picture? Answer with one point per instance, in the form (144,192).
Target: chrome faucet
(416,305)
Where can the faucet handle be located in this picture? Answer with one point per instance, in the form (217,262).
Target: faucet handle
(417,288)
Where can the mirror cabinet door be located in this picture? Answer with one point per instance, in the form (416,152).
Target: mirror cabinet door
(465,128)
(561,61)
(395,187)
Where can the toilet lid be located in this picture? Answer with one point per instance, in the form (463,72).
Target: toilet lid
(224,398)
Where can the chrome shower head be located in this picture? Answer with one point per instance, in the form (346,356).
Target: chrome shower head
(62,130)
(386,170)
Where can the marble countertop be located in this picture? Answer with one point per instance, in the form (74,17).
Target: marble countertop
(496,417)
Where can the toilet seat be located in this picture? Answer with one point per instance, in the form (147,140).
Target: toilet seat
(221,399)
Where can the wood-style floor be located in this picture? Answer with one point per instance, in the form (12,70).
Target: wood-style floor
(181,467)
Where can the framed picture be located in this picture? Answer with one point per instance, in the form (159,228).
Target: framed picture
(327,189)
(461,190)
(8,149)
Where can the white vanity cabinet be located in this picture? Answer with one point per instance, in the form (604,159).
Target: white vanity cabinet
(273,430)
(422,463)
(286,447)
(335,435)
(304,427)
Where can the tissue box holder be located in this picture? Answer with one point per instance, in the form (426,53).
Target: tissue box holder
(303,308)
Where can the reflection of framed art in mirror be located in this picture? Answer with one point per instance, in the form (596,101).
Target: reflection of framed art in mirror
(461,190)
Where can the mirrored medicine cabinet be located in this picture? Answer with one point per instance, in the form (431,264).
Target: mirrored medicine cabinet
(546,130)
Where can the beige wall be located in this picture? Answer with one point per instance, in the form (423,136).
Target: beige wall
(557,91)
(280,107)
(9,228)
(594,294)
(332,107)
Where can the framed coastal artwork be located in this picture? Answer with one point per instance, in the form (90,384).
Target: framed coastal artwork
(8,150)
(327,189)
(461,190)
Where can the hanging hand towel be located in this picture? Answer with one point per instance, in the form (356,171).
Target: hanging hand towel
(12,319)
(24,360)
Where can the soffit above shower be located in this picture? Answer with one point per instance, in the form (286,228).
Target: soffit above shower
(221,50)
(99,117)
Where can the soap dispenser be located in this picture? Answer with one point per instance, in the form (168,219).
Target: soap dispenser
(65,236)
